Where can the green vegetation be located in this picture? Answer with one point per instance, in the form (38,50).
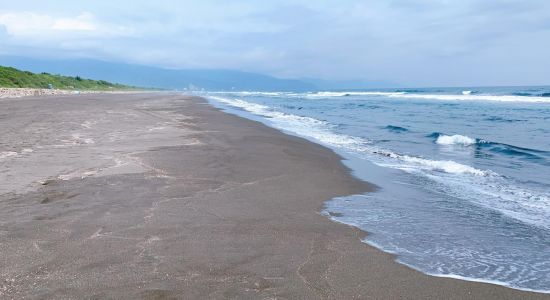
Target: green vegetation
(13,78)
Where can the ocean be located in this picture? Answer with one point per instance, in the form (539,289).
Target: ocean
(463,174)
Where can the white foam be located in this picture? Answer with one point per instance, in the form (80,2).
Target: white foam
(466,278)
(455,140)
(300,125)
(321,94)
(503,195)
(249,93)
(447,166)
(344,94)
(464,96)
(470,97)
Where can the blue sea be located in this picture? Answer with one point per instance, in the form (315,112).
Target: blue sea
(463,174)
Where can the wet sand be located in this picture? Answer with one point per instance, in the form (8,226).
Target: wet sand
(161,196)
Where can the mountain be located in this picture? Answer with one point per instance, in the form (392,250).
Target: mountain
(146,76)
(208,79)
(13,78)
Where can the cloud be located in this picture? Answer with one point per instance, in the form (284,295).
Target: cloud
(36,25)
(24,23)
(83,22)
(3,31)
(428,42)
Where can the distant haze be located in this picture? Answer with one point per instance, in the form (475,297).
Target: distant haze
(400,42)
(146,76)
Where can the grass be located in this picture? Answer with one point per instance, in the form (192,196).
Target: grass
(14,78)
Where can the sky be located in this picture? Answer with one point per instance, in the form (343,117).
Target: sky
(408,42)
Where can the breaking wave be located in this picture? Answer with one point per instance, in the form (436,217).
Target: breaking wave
(455,140)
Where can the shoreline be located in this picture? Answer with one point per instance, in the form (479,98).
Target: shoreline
(201,204)
(9,93)
(348,160)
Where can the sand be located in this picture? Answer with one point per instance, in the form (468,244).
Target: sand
(27,92)
(161,196)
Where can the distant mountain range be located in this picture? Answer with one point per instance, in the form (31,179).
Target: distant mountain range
(154,77)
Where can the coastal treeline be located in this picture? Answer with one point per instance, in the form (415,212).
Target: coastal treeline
(14,78)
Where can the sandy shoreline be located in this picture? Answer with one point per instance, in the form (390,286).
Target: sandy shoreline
(27,92)
(31,92)
(161,196)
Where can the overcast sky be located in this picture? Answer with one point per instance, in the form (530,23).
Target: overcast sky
(411,42)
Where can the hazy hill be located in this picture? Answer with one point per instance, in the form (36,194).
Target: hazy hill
(137,75)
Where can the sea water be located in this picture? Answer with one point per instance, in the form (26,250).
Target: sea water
(463,173)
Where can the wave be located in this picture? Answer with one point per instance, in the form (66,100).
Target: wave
(322,132)
(523,94)
(466,95)
(346,94)
(526,153)
(252,93)
(463,96)
(409,91)
(456,139)
(446,166)
(544,94)
(500,119)
(500,148)
(483,187)
(494,268)
(500,281)
(396,129)
(476,97)
(300,125)
(440,139)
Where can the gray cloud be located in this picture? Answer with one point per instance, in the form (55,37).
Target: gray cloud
(430,42)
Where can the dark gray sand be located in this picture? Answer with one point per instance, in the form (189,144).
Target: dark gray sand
(161,196)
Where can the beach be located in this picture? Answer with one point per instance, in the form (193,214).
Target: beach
(162,196)
(28,92)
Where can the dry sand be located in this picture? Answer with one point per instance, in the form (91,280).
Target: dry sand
(27,92)
(161,196)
